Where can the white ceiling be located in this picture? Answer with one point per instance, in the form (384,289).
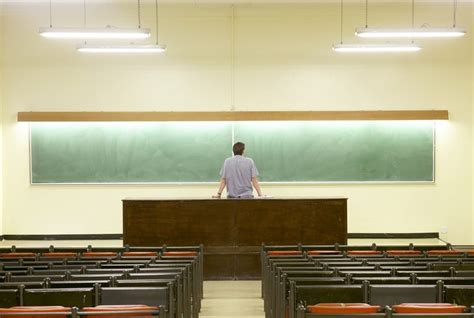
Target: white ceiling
(236,1)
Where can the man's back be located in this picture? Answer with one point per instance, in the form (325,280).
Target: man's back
(238,172)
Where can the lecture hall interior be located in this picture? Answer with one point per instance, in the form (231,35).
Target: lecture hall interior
(116,118)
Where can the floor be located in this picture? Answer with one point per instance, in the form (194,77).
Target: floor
(232,299)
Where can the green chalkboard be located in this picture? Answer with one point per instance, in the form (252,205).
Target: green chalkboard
(352,151)
(128,152)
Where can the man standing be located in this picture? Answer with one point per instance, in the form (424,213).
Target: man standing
(239,174)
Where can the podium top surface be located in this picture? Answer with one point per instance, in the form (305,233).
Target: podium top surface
(269,198)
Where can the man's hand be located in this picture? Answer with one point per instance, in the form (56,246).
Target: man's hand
(221,188)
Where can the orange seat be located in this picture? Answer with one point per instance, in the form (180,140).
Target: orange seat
(59,255)
(283,253)
(36,309)
(341,308)
(99,254)
(444,252)
(314,252)
(135,311)
(17,255)
(130,254)
(435,308)
(180,253)
(364,252)
(403,252)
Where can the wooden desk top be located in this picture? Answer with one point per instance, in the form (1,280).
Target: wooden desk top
(236,199)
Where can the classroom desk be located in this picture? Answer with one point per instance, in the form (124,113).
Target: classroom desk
(232,230)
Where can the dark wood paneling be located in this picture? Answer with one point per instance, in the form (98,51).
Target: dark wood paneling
(232,231)
(219,266)
(247,266)
(178,223)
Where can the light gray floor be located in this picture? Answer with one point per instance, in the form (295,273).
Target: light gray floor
(232,299)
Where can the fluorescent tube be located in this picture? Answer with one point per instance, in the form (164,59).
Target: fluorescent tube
(89,33)
(376,48)
(410,33)
(123,49)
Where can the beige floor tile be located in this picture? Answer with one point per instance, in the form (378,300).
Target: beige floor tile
(232,299)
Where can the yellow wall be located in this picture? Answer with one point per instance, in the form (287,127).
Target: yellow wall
(1,120)
(283,61)
(472,98)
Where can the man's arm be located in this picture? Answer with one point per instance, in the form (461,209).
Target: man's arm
(256,186)
(221,188)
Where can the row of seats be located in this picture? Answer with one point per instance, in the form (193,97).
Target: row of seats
(364,310)
(171,279)
(112,311)
(88,297)
(380,295)
(370,273)
(5,256)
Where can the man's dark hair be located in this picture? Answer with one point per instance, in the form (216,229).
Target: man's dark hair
(238,148)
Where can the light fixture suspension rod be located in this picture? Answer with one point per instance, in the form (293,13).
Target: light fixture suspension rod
(50,14)
(413,14)
(139,14)
(455,4)
(366,13)
(232,58)
(156,20)
(85,15)
(342,19)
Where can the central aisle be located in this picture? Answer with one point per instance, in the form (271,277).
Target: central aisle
(232,299)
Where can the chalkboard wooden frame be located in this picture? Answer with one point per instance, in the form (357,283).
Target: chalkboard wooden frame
(235,115)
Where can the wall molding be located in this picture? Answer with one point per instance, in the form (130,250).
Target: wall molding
(54,237)
(425,235)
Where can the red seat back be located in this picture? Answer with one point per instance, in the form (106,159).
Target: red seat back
(444,252)
(17,255)
(59,255)
(341,308)
(35,309)
(180,253)
(99,254)
(323,252)
(135,311)
(368,252)
(435,308)
(403,252)
(284,253)
(140,254)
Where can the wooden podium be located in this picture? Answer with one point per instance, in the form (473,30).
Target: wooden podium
(232,230)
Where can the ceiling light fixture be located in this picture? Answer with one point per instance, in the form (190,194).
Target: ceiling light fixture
(370,48)
(424,32)
(376,48)
(104,33)
(123,49)
(411,33)
(92,33)
(157,48)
